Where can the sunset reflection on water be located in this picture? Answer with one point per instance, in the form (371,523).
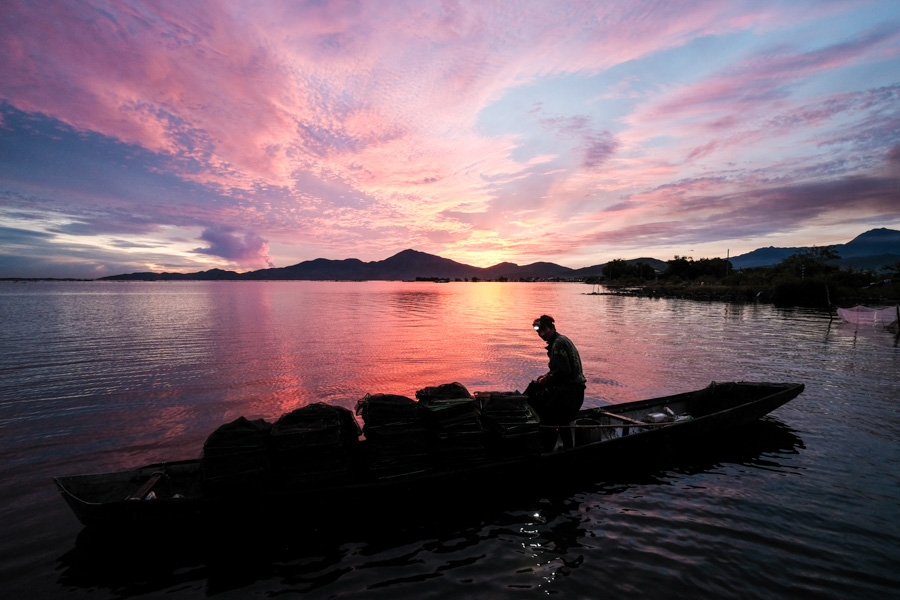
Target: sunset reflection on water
(283,344)
(175,360)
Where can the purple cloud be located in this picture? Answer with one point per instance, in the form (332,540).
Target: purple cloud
(247,249)
(596,147)
(705,217)
(893,162)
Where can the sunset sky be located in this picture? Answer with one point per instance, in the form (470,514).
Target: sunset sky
(187,135)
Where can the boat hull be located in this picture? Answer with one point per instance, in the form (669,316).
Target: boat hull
(615,435)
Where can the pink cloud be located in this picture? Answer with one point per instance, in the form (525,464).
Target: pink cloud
(192,84)
(256,92)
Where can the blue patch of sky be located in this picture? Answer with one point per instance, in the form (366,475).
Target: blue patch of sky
(847,29)
(695,61)
(39,151)
(866,74)
(14,235)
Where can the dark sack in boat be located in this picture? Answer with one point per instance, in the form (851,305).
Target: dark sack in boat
(314,442)
(236,452)
(385,409)
(454,426)
(396,436)
(443,392)
(447,402)
(512,425)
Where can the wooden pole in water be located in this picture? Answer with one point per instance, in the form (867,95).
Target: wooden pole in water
(897,322)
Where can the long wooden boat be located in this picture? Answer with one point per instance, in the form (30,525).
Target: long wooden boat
(174,493)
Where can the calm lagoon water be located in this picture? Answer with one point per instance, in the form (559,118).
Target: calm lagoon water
(100,376)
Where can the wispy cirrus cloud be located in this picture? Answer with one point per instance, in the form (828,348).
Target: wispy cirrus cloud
(754,100)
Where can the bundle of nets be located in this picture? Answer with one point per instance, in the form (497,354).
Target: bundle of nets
(396,440)
(313,443)
(236,453)
(513,428)
(455,432)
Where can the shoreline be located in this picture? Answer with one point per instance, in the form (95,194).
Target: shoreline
(824,298)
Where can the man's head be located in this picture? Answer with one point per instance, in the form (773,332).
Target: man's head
(544,326)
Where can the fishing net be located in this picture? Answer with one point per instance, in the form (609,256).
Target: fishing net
(863,315)
(315,442)
(396,438)
(455,432)
(236,453)
(513,427)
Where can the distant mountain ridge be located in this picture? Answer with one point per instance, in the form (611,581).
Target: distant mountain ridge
(878,246)
(405,265)
(874,249)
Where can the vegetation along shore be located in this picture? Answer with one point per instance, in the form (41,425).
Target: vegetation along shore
(809,278)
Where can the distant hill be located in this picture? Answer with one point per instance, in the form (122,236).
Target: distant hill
(405,265)
(875,249)
(538,270)
(211,275)
(762,257)
(597,270)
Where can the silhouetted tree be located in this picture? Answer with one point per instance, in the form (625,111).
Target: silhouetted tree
(686,268)
(616,269)
(810,262)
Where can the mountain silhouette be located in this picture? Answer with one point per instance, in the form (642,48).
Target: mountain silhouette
(874,249)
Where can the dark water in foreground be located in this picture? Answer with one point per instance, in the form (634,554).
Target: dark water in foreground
(101,376)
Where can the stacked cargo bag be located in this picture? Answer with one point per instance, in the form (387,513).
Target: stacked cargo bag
(455,432)
(396,442)
(513,427)
(314,443)
(235,456)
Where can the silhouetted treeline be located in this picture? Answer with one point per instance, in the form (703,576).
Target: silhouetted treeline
(808,278)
